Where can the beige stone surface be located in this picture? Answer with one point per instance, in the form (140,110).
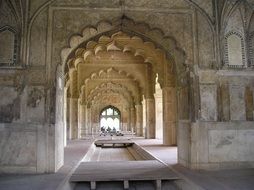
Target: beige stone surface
(71,59)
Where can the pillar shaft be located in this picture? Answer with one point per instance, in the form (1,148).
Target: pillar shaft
(88,120)
(74,118)
(68,128)
(139,120)
(82,120)
(133,119)
(129,120)
(150,118)
(169,115)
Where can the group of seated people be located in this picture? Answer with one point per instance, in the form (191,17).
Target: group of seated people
(111,132)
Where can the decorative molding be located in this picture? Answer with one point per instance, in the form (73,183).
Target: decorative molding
(141,30)
(14,60)
(226,56)
(251,49)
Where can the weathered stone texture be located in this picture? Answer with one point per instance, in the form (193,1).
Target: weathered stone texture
(237,103)
(208,100)
(17,148)
(205,43)
(231,145)
(9,105)
(38,41)
(207,7)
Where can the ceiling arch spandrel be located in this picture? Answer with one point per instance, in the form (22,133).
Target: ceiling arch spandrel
(116,72)
(122,90)
(166,41)
(127,85)
(122,42)
(110,98)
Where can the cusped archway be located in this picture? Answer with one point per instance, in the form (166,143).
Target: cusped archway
(124,67)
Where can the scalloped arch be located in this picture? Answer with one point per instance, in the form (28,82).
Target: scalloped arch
(132,97)
(107,91)
(104,88)
(127,25)
(122,42)
(121,73)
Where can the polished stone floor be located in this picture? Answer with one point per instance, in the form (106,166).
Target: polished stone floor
(210,180)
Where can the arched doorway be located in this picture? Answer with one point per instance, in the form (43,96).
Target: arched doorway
(123,71)
(110,117)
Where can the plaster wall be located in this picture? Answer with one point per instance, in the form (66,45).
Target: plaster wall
(220,145)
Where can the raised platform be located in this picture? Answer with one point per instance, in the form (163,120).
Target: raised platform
(126,171)
(113,143)
(106,165)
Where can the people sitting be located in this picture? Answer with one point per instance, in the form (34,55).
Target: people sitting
(103,131)
(108,130)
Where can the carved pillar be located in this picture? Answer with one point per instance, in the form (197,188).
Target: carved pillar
(129,119)
(158,112)
(139,120)
(82,120)
(169,115)
(133,119)
(74,118)
(68,128)
(150,118)
(144,118)
(88,119)
(125,119)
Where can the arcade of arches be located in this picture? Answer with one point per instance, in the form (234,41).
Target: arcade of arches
(120,70)
(177,70)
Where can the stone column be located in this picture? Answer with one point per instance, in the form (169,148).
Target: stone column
(74,118)
(68,128)
(82,121)
(139,120)
(144,118)
(129,120)
(88,120)
(158,112)
(150,118)
(169,115)
(133,119)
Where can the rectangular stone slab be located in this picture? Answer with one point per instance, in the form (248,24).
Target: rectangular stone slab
(122,170)
(113,142)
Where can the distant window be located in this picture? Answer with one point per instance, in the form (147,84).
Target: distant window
(110,117)
(8,46)
(110,111)
(234,50)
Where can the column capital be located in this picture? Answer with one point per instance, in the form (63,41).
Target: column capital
(139,104)
(149,97)
(74,98)
(82,102)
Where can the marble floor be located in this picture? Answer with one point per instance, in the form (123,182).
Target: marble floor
(75,151)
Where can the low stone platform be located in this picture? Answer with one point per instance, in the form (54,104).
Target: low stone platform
(113,143)
(126,171)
